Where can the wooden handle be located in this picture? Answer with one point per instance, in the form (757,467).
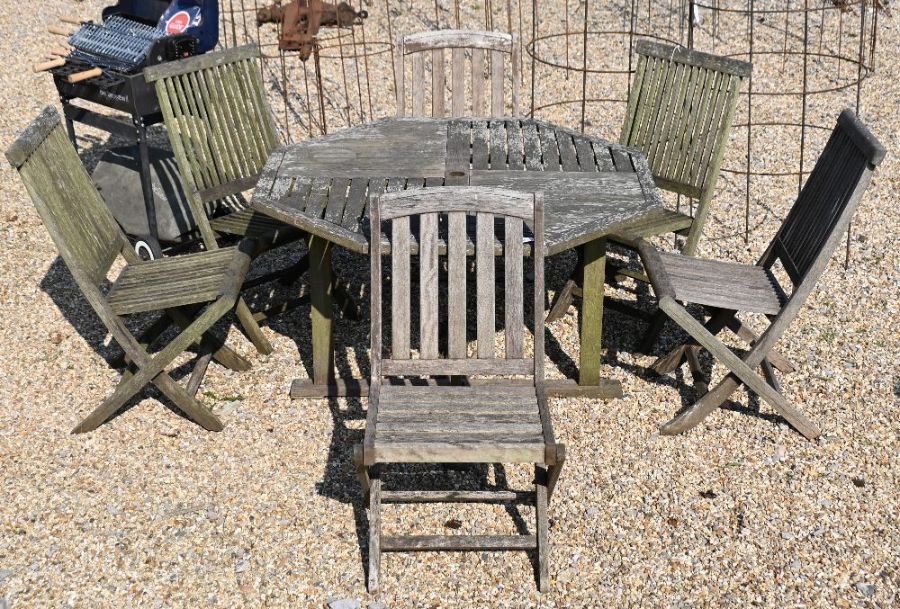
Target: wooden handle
(71,19)
(49,65)
(59,31)
(59,52)
(79,76)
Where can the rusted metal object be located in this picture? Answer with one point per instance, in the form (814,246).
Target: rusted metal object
(301,20)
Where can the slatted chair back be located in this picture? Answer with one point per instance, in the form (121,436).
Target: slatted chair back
(813,227)
(219,124)
(79,222)
(680,109)
(463,47)
(449,207)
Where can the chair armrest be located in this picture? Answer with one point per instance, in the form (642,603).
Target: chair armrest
(656,270)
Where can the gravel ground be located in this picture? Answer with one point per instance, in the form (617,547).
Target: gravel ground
(149,510)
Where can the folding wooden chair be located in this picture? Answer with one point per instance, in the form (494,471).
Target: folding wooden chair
(802,246)
(497,421)
(89,241)
(222,132)
(680,109)
(501,49)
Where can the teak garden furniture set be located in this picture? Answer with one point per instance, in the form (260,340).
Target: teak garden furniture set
(436,195)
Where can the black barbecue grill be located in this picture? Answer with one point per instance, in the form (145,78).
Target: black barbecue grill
(106,67)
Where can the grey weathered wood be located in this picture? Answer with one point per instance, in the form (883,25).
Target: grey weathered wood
(457,543)
(458,78)
(586,205)
(680,109)
(543,538)
(532,145)
(550,154)
(365,149)
(452,39)
(478,108)
(514,287)
(485,285)
(515,144)
(684,55)
(498,145)
(428,285)
(452,450)
(441,151)
(500,47)
(376,543)
(456,285)
(456,496)
(418,82)
(400,288)
(222,133)
(89,241)
(356,203)
(504,422)
(489,389)
(486,364)
(497,105)
(438,82)
(812,230)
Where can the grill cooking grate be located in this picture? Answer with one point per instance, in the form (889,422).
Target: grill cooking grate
(119,40)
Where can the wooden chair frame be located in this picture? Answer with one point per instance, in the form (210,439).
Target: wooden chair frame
(415,434)
(680,110)
(494,46)
(803,245)
(89,241)
(222,131)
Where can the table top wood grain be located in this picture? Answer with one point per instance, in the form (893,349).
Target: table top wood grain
(591,187)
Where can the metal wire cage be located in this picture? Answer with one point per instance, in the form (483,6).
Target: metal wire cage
(811,58)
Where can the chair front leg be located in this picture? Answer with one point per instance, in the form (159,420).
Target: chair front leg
(209,340)
(699,410)
(148,367)
(543,534)
(188,404)
(746,334)
(740,367)
(254,332)
(554,470)
(374,534)
(670,362)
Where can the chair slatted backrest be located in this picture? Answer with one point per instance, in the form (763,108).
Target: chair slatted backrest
(680,109)
(463,47)
(219,123)
(78,220)
(441,214)
(813,227)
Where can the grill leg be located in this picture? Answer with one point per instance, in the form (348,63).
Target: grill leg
(146,183)
(70,124)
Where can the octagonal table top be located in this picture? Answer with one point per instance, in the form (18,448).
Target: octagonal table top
(591,187)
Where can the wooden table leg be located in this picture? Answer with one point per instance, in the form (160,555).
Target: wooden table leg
(321,290)
(592,312)
(589,382)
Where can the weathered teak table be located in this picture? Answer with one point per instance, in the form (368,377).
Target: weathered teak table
(591,187)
